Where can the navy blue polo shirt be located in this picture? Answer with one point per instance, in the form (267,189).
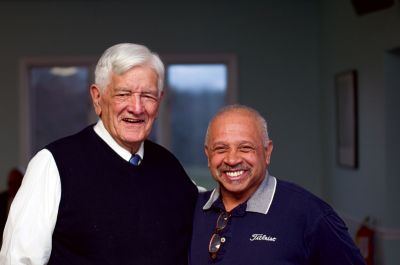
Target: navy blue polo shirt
(281,223)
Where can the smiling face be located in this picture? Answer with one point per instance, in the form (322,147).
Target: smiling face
(128,105)
(237,155)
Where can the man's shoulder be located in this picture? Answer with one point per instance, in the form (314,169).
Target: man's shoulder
(205,195)
(203,198)
(160,158)
(157,151)
(153,146)
(294,189)
(295,194)
(76,146)
(73,138)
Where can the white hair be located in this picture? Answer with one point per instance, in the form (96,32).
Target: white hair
(122,57)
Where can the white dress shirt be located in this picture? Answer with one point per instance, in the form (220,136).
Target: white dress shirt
(27,237)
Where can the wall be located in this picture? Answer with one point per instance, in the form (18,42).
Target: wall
(288,52)
(349,41)
(276,43)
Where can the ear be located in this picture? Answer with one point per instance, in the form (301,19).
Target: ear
(159,103)
(161,95)
(268,152)
(207,154)
(96,97)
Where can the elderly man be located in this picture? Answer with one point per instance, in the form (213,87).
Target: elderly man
(254,218)
(106,195)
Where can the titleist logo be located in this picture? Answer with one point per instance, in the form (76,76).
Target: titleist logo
(260,237)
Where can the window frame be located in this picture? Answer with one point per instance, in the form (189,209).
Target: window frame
(26,107)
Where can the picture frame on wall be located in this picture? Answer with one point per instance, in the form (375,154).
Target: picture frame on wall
(346,119)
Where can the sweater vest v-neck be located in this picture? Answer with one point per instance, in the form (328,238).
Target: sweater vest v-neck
(112,212)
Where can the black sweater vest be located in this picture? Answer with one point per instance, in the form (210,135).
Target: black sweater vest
(112,212)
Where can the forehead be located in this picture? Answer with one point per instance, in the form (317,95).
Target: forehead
(235,126)
(136,75)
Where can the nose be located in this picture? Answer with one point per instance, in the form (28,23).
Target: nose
(135,105)
(232,158)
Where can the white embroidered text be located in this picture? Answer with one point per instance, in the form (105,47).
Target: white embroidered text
(262,237)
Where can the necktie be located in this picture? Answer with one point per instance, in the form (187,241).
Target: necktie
(135,159)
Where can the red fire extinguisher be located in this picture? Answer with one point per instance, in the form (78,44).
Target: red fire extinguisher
(365,241)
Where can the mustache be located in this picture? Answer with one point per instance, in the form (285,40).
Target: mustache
(241,166)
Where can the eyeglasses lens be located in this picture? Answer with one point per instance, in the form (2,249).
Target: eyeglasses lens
(216,240)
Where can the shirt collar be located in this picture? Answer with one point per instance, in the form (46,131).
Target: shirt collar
(259,202)
(106,137)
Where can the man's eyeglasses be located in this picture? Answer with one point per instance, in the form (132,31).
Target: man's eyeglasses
(216,240)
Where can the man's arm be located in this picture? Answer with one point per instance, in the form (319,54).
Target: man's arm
(33,214)
(331,243)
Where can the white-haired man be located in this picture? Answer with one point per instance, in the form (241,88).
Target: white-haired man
(106,195)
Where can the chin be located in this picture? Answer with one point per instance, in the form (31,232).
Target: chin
(234,186)
(132,141)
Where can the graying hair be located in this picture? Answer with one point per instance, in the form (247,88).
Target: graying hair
(235,107)
(122,57)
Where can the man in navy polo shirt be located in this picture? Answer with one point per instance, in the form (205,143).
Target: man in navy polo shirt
(253,217)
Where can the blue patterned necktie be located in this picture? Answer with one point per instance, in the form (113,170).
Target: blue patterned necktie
(135,159)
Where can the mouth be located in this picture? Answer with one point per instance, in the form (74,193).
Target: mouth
(133,121)
(235,175)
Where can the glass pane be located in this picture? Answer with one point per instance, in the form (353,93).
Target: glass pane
(60,103)
(196,92)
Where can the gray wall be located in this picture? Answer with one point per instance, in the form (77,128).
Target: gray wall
(365,43)
(276,43)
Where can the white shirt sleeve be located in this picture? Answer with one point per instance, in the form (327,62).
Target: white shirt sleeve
(27,237)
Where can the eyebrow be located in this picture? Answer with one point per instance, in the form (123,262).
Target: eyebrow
(144,91)
(218,143)
(122,89)
(235,144)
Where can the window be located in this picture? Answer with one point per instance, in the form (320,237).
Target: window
(55,101)
(196,88)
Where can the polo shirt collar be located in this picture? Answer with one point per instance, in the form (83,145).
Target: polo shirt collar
(259,202)
(102,132)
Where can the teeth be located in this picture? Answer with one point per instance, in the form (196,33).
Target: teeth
(235,173)
(132,120)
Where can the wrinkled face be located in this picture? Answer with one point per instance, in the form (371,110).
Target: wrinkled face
(236,154)
(128,106)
